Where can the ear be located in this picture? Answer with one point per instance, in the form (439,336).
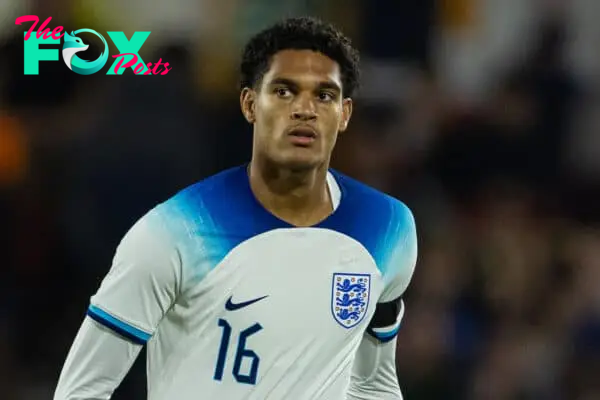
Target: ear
(247,103)
(346,114)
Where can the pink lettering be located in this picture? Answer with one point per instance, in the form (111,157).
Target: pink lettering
(28,18)
(138,69)
(56,32)
(167,69)
(130,63)
(148,71)
(156,69)
(43,31)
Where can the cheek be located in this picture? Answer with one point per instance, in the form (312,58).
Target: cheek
(263,115)
(269,122)
(272,117)
(334,121)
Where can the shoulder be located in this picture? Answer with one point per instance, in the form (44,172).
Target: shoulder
(383,224)
(206,194)
(371,202)
(200,205)
(189,213)
(376,210)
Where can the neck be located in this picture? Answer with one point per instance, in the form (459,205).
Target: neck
(299,197)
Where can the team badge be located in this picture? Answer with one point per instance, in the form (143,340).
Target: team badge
(350,298)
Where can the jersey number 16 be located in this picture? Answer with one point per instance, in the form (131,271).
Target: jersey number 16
(240,353)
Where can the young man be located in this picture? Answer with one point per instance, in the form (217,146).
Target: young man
(281,279)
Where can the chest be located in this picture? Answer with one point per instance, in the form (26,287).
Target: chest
(293,283)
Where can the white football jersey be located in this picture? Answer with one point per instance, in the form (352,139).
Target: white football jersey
(234,303)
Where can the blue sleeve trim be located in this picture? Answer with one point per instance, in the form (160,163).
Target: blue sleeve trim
(387,336)
(129,332)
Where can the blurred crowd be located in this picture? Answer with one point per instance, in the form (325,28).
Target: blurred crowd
(481,115)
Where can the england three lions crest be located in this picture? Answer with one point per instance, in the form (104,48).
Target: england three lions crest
(350,298)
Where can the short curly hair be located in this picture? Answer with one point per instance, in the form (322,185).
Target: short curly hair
(300,33)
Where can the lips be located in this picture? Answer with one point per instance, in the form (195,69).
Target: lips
(302,136)
(303,131)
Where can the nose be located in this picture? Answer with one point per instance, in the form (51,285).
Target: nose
(303,109)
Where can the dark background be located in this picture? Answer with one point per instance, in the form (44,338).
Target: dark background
(481,115)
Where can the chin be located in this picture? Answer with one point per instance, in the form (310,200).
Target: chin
(298,162)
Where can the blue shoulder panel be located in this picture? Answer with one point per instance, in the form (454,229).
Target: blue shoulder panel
(213,216)
(379,222)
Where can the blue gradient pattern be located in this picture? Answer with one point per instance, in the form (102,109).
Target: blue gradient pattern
(382,224)
(211,217)
(221,212)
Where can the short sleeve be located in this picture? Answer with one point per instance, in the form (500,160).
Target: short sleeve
(142,283)
(399,269)
(402,259)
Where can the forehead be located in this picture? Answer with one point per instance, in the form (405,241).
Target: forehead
(303,66)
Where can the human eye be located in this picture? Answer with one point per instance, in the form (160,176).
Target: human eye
(282,92)
(326,96)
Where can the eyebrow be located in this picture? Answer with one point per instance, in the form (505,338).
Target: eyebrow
(330,85)
(322,85)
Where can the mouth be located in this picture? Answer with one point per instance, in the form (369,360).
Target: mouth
(302,135)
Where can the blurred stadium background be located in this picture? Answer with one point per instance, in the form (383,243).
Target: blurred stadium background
(482,115)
